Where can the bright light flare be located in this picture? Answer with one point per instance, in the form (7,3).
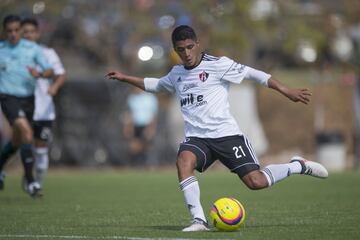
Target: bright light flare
(145,53)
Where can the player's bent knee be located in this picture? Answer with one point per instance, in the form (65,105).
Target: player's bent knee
(255,180)
(24,131)
(186,162)
(27,137)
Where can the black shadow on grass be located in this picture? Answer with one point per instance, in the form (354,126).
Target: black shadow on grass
(166,227)
(275,225)
(177,228)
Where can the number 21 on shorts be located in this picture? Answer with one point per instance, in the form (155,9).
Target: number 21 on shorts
(239,152)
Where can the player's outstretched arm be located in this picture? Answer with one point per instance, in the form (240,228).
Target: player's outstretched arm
(296,94)
(136,81)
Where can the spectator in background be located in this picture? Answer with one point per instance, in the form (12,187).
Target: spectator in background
(18,74)
(140,123)
(45,90)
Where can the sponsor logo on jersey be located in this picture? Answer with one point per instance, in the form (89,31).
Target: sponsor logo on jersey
(189,86)
(191,99)
(203,76)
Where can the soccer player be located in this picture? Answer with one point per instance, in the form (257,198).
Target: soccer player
(45,90)
(201,85)
(18,58)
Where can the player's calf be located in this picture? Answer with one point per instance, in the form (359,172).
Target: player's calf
(185,164)
(255,180)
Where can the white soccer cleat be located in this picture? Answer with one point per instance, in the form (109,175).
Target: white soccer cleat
(34,190)
(197,225)
(311,168)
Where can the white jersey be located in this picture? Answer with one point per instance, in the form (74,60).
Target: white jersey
(202,93)
(44,105)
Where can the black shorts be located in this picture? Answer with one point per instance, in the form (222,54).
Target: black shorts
(235,152)
(43,130)
(17,107)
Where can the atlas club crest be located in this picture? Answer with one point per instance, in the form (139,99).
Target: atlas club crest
(203,76)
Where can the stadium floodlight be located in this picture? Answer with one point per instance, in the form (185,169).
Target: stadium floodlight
(263,9)
(307,52)
(342,47)
(39,7)
(166,22)
(145,53)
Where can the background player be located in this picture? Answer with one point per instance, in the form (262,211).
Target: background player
(140,124)
(18,58)
(211,133)
(45,90)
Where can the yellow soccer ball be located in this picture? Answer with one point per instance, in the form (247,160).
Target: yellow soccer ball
(227,214)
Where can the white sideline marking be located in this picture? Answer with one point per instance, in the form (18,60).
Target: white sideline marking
(27,236)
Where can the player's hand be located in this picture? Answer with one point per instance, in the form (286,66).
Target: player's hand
(299,95)
(115,75)
(33,72)
(52,91)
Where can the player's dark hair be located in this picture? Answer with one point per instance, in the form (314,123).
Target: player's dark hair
(31,21)
(11,18)
(183,32)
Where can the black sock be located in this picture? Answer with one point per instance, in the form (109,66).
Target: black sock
(27,159)
(6,153)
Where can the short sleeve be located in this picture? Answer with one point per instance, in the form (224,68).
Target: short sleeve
(258,76)
(159,84)
(56,63)
(229,70)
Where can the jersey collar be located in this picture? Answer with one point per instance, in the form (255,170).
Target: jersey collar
(192,67)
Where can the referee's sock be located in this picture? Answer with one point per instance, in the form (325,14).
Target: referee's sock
(27,159)
(6,152)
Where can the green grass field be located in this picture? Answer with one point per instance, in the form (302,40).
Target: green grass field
(149,205)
